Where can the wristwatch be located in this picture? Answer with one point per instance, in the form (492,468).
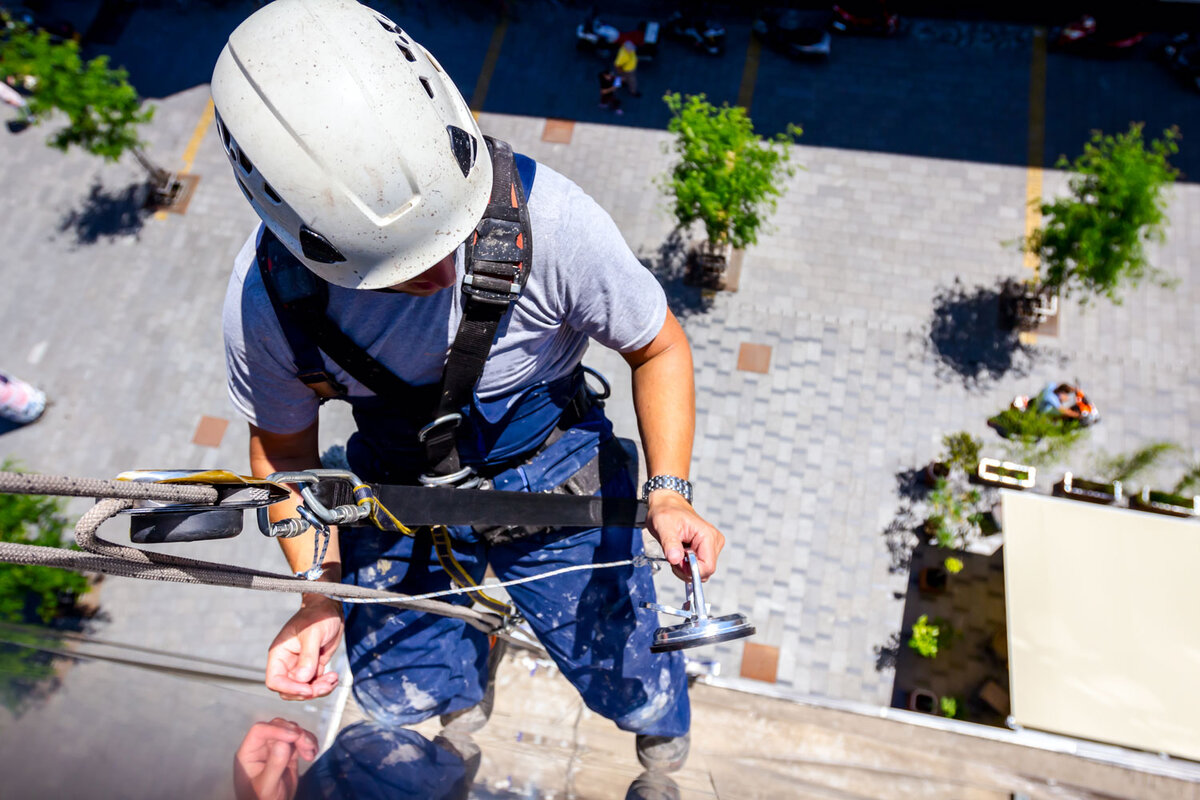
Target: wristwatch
(667,482)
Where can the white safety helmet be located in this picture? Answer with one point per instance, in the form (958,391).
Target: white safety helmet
(350,141)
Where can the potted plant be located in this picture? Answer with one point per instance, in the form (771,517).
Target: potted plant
(727,178)
(1102,492)
(952,707)
(1092,240)
(1007,474)
(962,451)
(954,514)
(933,579)
(1175,505)
(929,638)
(923,700)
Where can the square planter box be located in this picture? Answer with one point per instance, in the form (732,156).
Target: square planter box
(1089,491)
(1006,474)
(1165,503)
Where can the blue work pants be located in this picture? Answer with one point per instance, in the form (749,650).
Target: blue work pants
(408,665)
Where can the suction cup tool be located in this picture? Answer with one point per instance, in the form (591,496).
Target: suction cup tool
(699,629)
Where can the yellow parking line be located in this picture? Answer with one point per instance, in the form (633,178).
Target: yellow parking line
(489,66)
(1037,139)
(193,146)
(749,74)
(202,127)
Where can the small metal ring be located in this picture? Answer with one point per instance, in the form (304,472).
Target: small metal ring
(453,416)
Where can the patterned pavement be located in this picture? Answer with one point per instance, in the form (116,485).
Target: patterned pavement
(117,317)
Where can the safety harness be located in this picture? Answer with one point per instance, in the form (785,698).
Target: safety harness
(499,255)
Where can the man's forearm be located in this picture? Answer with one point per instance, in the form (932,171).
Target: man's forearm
(664,398)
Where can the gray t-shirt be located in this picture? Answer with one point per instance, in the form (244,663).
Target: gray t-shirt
(585,282)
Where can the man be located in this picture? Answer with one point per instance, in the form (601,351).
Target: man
(1059,400)
(369,171)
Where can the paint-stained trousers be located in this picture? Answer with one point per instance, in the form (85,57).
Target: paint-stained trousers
(409,666)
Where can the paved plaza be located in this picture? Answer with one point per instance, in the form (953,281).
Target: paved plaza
(117,317)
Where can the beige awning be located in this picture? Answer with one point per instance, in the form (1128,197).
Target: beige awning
(1103,610)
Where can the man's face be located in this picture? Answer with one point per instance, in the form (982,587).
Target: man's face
(431,281)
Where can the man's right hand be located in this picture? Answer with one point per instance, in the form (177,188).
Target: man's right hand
(298,659)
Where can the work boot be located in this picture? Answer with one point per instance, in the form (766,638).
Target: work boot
(663,753)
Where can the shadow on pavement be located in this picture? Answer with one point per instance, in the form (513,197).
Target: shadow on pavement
(107,214)
(670,267)
(968,340)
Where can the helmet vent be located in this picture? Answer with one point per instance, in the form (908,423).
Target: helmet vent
(387,26)
(244,161)
(246,191)
(407,53)
(271,193)
(464,147)
(224,133)
(317,248)
(428,88)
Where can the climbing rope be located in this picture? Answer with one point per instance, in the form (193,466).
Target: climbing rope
(100,555)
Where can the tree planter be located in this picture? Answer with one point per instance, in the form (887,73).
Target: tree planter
(1006,474)
(717,267)
(935,471)
(923,700)
(932,580)
(1089,491)
(1026,307)
(1165,503)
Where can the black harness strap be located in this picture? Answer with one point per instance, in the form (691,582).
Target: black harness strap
(499,255)
(300,299)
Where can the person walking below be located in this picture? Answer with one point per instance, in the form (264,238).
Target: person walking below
(609,83)
(626,66)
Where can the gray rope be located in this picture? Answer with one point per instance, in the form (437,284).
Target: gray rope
(110,558)
(31,483)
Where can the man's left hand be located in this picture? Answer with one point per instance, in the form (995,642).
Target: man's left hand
(676,525)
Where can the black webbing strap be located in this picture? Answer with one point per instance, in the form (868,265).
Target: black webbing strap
(497,263)
(432,505)
(300,298)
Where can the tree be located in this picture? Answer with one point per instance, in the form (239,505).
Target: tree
(103,111)
(1093,239)
(726,177)
(30,519)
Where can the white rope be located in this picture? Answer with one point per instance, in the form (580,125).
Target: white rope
(638,561)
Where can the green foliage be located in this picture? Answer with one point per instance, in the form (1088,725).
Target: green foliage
(1126,467)
(954,513)
(1094,239)
(1190,482)
(953,565)
(27,674)
(1035,438)
(726,177)
(951,707)
(928,638)
(962,451)
(102,109)
(30,519)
